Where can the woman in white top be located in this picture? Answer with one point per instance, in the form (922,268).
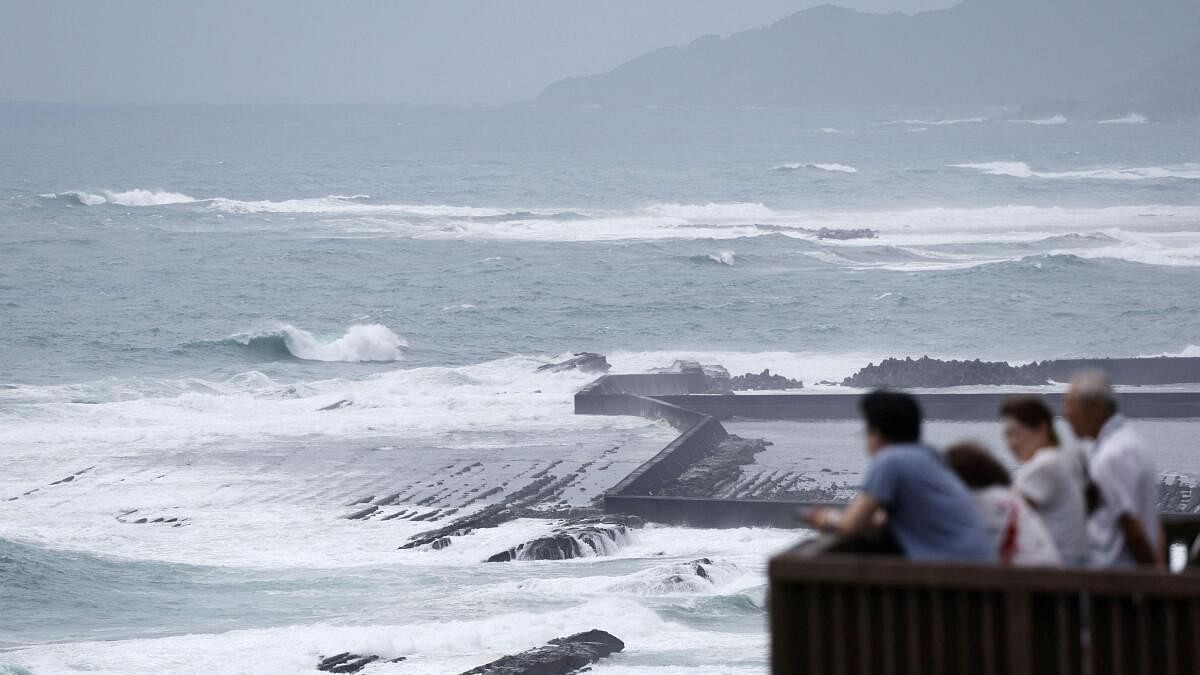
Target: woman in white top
(1049,478)
(1016,530)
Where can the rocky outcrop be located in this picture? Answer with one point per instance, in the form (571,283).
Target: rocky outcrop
(764,381)
(840,234)
(1178,495)
(349,663)
(935,373)
(577,539)
(560,656)
(720,468)
(584,362)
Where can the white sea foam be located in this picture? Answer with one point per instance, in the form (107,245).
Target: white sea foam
(135,197)
(723,258)
(1190,351)
(1131,118)
(336,205)
(833,168)
(938,122)
(373,342)
(450,645)
(1056,120)
(1159,235)
(1189,171)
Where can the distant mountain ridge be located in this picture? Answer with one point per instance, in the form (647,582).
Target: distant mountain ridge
(978,52)
(1170,90)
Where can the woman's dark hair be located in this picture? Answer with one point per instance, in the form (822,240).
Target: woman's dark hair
(1030,412)
(896,416)
(976,466)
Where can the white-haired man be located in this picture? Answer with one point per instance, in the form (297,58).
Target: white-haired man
(1124,529)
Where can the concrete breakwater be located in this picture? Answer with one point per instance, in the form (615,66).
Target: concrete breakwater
(679,399)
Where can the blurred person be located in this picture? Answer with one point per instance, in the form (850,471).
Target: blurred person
(1050,478)
(928,510)
(1124,530)
(1016,531)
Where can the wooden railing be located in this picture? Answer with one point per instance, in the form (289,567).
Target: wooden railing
(838,611)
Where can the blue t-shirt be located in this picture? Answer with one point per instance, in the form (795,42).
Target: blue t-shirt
(930,511)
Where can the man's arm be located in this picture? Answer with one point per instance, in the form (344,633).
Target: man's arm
(854,520)
(1138,541)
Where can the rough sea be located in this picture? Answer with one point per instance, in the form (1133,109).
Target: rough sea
(183,289)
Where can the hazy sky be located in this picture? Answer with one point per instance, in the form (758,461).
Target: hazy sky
(270,51)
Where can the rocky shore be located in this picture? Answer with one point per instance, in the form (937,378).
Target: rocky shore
(575,539)
(936,373)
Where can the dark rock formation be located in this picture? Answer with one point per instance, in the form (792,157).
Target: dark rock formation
(349,663)
(927,372)
(560,656)
(723,467)
(837,234)
(584,362)
(364,513)
(764,381)
(1178,496)
(576,539)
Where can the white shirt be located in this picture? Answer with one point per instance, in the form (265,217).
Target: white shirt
(1052,481)
(1128,484)
(1005,516)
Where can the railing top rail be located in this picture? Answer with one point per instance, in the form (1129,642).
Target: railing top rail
(888,571)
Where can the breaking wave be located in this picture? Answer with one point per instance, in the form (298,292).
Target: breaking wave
(1048,121)
(720,257)
(1023,170)
(1131,118)
(937,123)
(363,343)
(135,197)
(834,168)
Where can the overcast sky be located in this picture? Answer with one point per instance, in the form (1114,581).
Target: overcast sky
(349,51)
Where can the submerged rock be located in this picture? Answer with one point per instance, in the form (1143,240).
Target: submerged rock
(575,539)
(349,663)
(560,656)
(838,234)
(764,381)
(584,362)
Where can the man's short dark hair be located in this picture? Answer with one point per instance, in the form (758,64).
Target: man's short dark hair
(895,416)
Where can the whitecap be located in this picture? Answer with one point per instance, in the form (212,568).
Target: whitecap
(723,258)
(1022,170)
(937,122)
(1056,120)
(1131,118)
(360,343)
(134,197)
(834,168)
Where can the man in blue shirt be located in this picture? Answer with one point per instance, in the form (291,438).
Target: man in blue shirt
(928,510)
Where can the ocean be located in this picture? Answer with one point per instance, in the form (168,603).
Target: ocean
(246,319)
